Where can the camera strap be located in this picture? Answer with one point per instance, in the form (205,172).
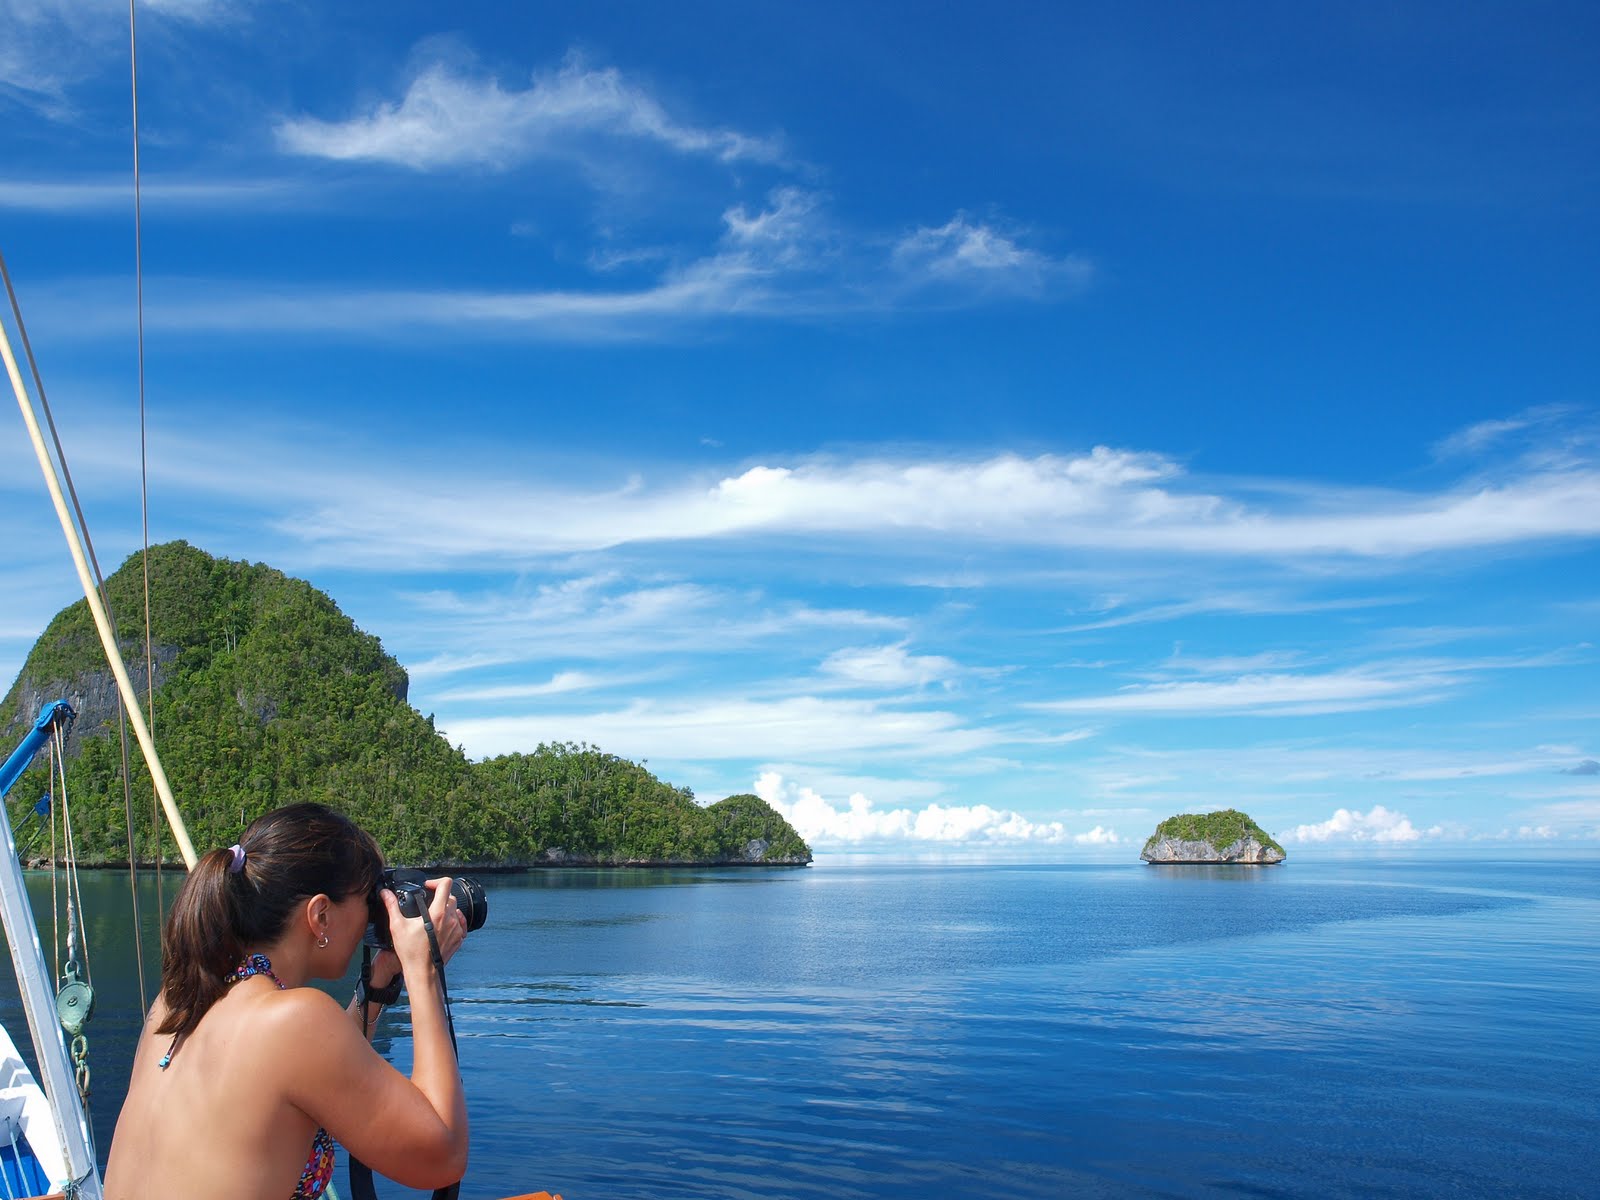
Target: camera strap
(361,1183)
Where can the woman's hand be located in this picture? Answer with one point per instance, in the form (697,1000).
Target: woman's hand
(449,922)
(410,936)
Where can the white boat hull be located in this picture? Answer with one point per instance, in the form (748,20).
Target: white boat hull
(31,1162)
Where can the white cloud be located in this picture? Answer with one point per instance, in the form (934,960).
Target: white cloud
(1123,506)
(824,824)
(449,117)
(888,666)
(1118,504)
(1378,825)
(1098,836)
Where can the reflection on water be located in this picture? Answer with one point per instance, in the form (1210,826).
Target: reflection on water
(891,1030)
(1224,872)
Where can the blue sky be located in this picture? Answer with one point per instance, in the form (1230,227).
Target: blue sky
(967,426)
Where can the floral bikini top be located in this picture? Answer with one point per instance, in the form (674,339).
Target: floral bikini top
(315,1178)
(319,1168)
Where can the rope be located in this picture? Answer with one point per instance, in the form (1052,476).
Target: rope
(55,903)
(74,883)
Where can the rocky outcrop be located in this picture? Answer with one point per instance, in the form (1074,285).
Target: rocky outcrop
(1183,850)
(92,694)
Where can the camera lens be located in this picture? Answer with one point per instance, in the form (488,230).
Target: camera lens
(473,903)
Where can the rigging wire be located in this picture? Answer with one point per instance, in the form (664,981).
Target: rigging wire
(144,523)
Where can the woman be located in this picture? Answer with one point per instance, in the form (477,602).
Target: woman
(244,1077)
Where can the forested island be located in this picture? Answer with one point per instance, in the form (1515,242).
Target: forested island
(265,694)
(1225,836)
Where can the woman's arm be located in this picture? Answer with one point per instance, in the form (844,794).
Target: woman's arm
(414,1131)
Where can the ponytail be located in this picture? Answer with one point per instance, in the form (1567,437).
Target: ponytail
(199,945)
(289,855)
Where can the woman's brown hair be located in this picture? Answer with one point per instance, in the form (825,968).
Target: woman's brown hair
(290,855)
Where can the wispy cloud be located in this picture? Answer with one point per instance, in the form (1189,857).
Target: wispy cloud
(562,683)
(971,255)
(1384,684)
(782,260)
(1240,603)
(58,196)
(1245,664)
(52,45)
(1477,438)
(728,728)
(1263,695)
(611,617)
(451,117)
(1313,766)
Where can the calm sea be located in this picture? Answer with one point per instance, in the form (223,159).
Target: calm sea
(868,1029)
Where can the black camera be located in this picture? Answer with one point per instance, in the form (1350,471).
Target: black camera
(409,885)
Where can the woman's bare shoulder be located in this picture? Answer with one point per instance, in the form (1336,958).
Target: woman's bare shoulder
(275,1035)
(303,1009)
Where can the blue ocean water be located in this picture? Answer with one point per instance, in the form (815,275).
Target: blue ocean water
(888,1030)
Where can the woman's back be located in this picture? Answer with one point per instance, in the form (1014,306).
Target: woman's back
(220,1109)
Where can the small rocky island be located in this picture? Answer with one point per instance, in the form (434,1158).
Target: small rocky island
(1228,836)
